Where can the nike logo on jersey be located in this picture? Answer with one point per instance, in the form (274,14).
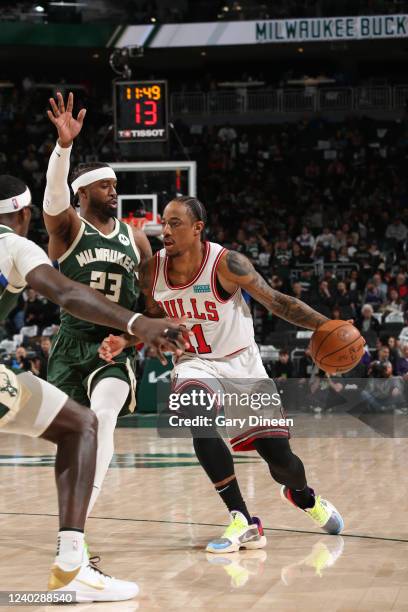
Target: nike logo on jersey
(90,233)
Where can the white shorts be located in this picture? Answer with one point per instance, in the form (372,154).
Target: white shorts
(230,373)
(28,404)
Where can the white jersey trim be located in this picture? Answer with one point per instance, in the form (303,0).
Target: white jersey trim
(111,235)
(73,245)
(134,245)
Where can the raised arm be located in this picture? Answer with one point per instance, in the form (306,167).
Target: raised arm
(235,270)
(61,221)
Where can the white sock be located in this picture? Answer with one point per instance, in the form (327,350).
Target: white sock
(107,400)
(70,549)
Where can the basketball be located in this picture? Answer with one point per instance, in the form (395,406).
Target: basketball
(337,346)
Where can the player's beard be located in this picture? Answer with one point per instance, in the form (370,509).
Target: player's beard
(102,210)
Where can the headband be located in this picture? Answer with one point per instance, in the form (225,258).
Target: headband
(10,205)
(90,177)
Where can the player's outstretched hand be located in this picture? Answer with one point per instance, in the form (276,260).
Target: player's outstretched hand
(68,127)
(164,335)
(111,347)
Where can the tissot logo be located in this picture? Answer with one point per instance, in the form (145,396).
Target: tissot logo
(201,289)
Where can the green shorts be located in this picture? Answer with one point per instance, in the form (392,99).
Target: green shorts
(75,367)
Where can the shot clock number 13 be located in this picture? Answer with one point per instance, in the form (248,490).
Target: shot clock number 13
(141,111)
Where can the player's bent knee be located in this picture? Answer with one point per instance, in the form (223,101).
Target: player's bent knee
(72,418)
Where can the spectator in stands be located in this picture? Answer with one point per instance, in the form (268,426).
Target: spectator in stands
(306,239)
(401,285)
(384,391)
(394,304)
(282,253)
(376,257)
(367,322)
(401,367)
(299,255)
(403,336)
(380,285)
(324,296)
(33,310)
(392,344)
(373,295)
(383,353)
(340,240)
(20,362)
(242,146)
(344,298)
(252,248)
(45,348)
(326,239)
(306,366)
(284,366)
(396,234)
(298,291)
(343,256)
(227,133)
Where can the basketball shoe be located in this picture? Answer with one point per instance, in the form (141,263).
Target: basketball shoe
(89,583)
(239,534)
(323,513)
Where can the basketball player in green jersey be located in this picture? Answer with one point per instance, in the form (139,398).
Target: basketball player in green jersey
(96,249)
(32,407)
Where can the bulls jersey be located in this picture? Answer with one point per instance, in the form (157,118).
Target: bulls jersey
(221,324)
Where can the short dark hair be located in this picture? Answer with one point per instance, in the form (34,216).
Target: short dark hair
(195,208)
(82,169)
(11,186)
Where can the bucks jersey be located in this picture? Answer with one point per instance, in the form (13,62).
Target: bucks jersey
(221,324)
(107,263)
(18,257)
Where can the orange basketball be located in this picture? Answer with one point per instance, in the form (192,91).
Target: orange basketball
(337,346)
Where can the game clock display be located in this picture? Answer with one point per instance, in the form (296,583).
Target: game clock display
(140,111)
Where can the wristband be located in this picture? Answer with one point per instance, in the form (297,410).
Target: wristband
(131,321)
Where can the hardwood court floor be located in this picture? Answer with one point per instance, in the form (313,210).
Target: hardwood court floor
(157,511)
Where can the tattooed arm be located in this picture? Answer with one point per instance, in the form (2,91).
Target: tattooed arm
(235,269)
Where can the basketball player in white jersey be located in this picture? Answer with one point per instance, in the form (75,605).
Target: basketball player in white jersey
(203,281)
(30,406)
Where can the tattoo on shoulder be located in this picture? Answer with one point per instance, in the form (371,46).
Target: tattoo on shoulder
(238,264)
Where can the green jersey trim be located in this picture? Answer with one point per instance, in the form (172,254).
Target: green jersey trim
(74,244)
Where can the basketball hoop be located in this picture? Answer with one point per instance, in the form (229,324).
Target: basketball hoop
(146,223)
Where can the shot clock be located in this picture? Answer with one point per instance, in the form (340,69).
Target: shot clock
(140,111)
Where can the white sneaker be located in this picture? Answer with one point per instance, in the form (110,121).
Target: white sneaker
(89,583)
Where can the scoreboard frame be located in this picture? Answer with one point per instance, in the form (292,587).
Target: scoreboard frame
(136,86)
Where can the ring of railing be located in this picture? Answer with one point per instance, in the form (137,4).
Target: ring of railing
(309,99)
